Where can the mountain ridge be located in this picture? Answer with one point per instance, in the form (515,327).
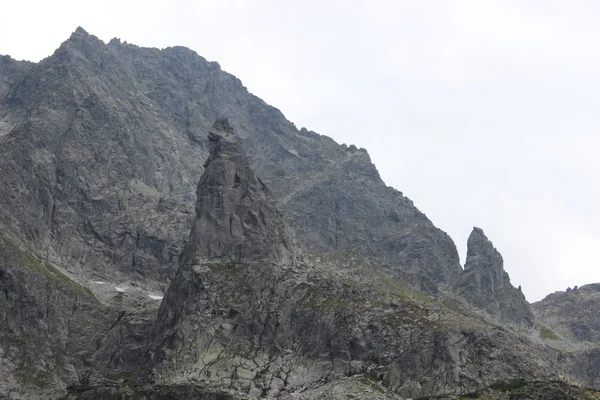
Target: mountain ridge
(283,156)
(301,267)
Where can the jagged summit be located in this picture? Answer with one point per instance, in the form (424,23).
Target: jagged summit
(102,147)
(573,313)
(234,317)
(485,285)
(223,142)
(477,244)
(125,126)
(81,35)
(236,217)
(80,31)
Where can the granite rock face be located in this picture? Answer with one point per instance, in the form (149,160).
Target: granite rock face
(11,71)
(484,283)
(236,217)
(328,212)
(104,143)
(572,314)
(272,323)
(292,272)
(55,333)
(48,324)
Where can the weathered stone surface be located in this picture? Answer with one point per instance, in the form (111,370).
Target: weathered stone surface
(104,144)
(48,324)
(236,217)
(175,392)
(485,285)
(329,212)
(273,326)
(10,72)
(574,314)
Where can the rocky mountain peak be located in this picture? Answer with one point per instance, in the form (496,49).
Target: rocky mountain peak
(79,31)
(102,147)
(80,35)
(480,247)
(75,52)
(224,143)
(572,313)
(485,285)
(236,217)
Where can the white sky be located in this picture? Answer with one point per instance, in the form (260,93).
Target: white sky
(484,113)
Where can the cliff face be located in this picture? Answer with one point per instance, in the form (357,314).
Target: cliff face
(104,143)
(236,217)
(246,312)
(485,285)
(571,319)
(572,314)
(289,268)
(11,71)
(46,324)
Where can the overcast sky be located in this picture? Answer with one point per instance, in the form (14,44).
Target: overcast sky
(484,113)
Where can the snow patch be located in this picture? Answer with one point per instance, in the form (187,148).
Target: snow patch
(294,152)
(154,297)
(99,282)
(121,290)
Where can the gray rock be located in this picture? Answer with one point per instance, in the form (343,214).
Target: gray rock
(174,392)
(48,325)
(572,315)
(104,144)
(236,217)
(273,325)
(485,285)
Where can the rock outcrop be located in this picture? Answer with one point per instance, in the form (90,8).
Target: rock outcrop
(11,71)
(248,314)
(54,333)
(103,144)
(484,283)
(236,216)
(315,281)
(572,314)
(48,324)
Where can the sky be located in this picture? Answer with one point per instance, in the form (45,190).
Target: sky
(485,113)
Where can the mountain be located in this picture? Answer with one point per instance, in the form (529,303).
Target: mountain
(106,146)
(484,283)
(573,313)
(140,258)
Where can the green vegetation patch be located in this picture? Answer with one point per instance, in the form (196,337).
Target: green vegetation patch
(399,289)
(229,270)
(509,385)
(326,302)
(32,378)
(548,334)
(452,305)
(25,259)
(371,380)
(68,281)
(590,394)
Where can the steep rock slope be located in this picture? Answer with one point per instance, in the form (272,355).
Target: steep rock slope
(573,314)
(331,212)
(54,333)
(236,217)
(484,283)
(249,314)
(102,143)
(10,71)
(47,325)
